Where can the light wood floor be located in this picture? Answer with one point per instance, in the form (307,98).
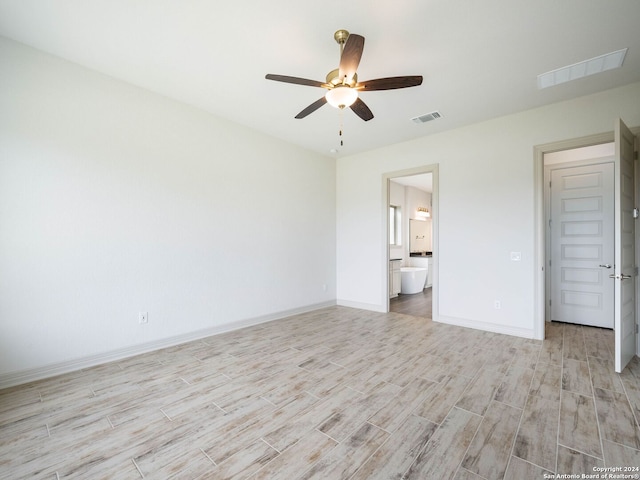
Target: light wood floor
(337,393)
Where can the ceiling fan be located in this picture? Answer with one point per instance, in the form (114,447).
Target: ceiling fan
(342,83)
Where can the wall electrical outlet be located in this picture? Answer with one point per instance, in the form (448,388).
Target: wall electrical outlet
(516,256)
(143,317)
(497,305)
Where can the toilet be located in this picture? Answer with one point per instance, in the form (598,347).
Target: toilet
(412,279)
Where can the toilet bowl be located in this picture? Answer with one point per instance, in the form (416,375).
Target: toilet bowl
(412,279)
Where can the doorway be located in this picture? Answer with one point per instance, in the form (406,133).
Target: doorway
(626,242)
(411,200)
(579,209)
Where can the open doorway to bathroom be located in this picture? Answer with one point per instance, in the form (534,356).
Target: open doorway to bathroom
(411,244)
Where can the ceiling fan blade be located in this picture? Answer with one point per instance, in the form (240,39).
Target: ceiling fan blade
(295,80)
(360,108)
(312,108)
(350,58)
(390,83)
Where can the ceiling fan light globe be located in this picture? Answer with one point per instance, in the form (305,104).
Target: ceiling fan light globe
(341,96)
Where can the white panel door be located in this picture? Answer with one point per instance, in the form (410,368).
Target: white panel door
(582,245)
(625,262)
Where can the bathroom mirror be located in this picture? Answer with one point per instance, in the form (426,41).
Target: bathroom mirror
(419,236)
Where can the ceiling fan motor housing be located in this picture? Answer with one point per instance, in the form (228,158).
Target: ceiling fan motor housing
(333,78)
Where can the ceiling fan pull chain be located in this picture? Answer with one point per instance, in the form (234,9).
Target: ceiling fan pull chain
(341,127)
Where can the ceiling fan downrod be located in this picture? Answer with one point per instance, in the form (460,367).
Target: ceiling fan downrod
(333,77)
(341,37)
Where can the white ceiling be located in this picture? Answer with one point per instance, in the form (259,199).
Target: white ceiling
(479,59)
(423,181)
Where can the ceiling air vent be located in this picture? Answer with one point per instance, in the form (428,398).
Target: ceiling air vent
(427,117)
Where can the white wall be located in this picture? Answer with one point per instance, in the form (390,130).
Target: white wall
(115,200)
(486,209)
(397,198)
(417,198)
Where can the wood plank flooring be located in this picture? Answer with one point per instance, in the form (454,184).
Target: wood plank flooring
(338,393)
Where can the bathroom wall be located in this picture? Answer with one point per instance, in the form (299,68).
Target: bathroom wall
(417,198)
(397,198)
(408,199)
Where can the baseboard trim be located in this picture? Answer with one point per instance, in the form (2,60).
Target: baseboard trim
(361,306)
(486,326)
(21,377)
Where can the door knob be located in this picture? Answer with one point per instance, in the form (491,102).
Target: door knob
(622,276)
(606,265)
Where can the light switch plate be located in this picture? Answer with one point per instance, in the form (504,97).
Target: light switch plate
(516,256)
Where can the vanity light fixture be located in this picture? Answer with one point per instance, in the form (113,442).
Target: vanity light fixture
(423,212)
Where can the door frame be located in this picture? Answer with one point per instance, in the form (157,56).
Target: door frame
(540,231)
(386,179)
